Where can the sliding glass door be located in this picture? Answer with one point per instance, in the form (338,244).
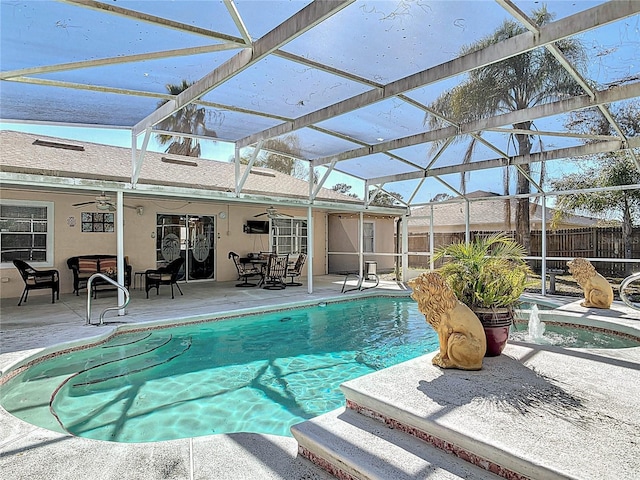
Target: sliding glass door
(191,237)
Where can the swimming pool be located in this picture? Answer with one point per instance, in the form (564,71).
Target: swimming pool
(258,373)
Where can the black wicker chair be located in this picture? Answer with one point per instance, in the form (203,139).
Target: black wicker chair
(38,280)
(167,275)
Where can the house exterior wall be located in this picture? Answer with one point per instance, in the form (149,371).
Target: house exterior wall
(343,243)
(139,235)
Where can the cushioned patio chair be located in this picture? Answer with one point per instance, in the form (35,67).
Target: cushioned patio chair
(167,275)
(38,280)
(276,272)
(296,270)
(245,271)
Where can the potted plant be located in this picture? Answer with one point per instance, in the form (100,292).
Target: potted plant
(488,275)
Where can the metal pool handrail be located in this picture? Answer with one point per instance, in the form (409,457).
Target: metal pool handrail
(625,283)
(127,297)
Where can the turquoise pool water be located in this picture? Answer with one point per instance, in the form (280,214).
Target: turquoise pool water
(572,337)
(254,374)
(259,373)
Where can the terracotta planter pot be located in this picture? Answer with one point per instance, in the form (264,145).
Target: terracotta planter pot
(496,323)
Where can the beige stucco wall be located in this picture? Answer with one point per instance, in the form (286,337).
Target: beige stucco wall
(139,245)
(343,243)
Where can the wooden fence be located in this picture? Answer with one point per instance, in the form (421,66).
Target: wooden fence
(583,242)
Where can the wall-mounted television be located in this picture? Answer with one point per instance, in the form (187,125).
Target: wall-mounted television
(256,226)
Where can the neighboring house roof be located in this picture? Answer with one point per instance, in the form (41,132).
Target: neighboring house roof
(489,213)
(105,162)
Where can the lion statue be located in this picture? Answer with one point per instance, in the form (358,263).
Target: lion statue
(460,333)
(597,291)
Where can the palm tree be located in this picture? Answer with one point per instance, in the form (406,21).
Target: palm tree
(517,83)
(189,119)
(285,162)
(489,272)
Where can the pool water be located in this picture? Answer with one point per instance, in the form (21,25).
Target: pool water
(258,373)
(253,374)
(572,336)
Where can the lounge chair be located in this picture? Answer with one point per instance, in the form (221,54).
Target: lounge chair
(296,271)
(245,270)
(361,279)
(167,275)
(37,280)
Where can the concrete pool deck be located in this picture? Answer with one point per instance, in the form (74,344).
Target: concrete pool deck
(566,412)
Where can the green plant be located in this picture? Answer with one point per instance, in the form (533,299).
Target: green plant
(488,272)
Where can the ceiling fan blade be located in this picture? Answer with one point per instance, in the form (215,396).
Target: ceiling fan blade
(260,215)
(81,204)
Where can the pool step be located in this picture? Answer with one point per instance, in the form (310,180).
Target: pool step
(504,421)
(351,446)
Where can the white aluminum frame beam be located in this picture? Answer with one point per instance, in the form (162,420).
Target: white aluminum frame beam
(622,92)
(152,19)
(563,28)
(141,57)
(562,59)
(290,29)
(569,152)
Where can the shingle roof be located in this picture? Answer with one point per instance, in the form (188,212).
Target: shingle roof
(489,212)
(104,162)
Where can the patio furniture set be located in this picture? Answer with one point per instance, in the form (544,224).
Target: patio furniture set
(269,269)
(84,266)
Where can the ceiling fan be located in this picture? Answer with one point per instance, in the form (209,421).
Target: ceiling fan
(103,202)
(271,212)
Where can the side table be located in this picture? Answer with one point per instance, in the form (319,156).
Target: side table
(135,279)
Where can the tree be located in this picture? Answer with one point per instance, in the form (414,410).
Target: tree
(517,83)
(441,197)
(605,170)
(385,199)
(344,188)
(189,119)
(285,162)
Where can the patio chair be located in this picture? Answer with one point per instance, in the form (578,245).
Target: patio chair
(296,271)
(245,270)
(276,272)
(37,280)
(360,285)
(167,275)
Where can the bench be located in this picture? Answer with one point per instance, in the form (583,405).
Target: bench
(83,266)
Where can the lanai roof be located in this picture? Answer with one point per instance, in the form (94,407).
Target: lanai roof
(352,80)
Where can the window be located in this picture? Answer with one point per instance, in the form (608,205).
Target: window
(26,231)
(289,235)
(367,237)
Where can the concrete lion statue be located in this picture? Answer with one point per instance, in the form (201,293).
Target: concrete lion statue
(597,291)
(460,333)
